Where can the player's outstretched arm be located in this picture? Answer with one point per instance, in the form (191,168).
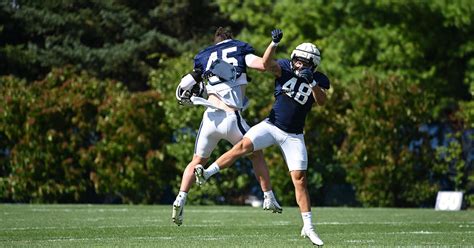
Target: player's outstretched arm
(255,62)
(269,63)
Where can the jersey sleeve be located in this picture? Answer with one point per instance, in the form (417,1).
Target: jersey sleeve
(187,82)
(285,65)
(249,58)
(323,80)
(198,64)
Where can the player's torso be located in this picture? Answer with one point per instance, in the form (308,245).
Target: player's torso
(231,51)
(228,95)
(293,100)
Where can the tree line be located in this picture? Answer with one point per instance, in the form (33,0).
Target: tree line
(88,112)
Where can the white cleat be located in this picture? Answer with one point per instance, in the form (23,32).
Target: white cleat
(311,234)
(199,173)
(270,203)
(178,211)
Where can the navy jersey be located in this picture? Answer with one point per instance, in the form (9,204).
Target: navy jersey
(231,51)
(293,98)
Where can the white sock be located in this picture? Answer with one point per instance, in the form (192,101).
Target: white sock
(268,194)
(307,224)
(182,195)
(211,170)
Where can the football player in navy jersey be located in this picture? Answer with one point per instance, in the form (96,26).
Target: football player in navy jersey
(222,119)
(297,87)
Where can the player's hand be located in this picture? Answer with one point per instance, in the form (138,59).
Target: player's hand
(207,74)
(307,75)
(277,34)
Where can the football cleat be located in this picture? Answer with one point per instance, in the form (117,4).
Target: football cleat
(311,234)
(199,173)
(178,211)
(270,203)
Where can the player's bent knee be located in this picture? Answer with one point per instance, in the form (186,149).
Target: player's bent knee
(245,146)
(197,160)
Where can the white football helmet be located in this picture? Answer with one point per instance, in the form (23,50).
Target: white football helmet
(307,52)
(184,96)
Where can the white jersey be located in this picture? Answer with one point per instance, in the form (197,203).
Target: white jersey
(231,93)
(237,53)
(219,124)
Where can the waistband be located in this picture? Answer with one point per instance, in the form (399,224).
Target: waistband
(282,128)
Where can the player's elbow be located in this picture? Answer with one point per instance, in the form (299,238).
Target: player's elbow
(321,101)
(319,95)
(268,65)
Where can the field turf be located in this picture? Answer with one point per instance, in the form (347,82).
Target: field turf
(228,226)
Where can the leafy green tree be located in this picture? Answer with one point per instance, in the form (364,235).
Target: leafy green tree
(74,138)
(403,40)
(395,67)
(381,152)
(119,39)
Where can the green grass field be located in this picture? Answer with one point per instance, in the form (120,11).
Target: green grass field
(228,226)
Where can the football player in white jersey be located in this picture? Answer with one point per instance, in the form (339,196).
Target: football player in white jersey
(222,119)
(297,87)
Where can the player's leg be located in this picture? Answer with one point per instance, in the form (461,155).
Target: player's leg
(206,140)
(240,149)
(262,174)
(236,128)
(295,155)
(302,198)
(243,147)
(259,133)
(294,151)
(235,135)
(261,170)
(186,183)
(262,135)
(224,161)
(188,174)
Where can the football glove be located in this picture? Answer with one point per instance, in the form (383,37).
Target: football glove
(307,75)
(277,34)
(207,74)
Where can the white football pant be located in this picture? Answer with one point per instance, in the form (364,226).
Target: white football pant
(217,125)
(265,134)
